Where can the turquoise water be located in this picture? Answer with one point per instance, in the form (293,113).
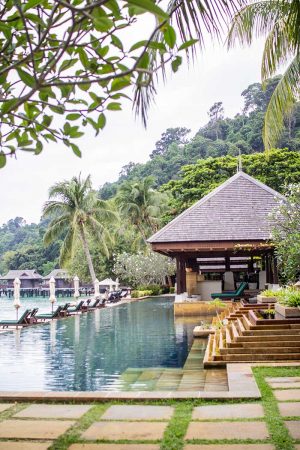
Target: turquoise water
(90,351)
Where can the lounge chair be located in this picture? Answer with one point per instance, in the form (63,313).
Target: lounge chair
(77,308)
(53,315)
(23,320)
(94,305)
(231,294)
(32,316)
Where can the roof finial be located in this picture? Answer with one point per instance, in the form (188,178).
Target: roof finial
(240,165)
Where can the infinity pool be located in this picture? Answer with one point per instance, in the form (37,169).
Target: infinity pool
(89,351)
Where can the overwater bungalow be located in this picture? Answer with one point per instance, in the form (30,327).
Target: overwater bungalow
(223,240)
(30,279)
(62,279)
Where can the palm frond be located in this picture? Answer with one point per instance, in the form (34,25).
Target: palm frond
(192,19)
(278,49)
(56,228)
(53,207)
(66,250)
(282,102)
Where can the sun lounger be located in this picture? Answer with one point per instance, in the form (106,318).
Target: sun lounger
(32,316)
(23,320)
(53,315)
(76,309)
(231,294)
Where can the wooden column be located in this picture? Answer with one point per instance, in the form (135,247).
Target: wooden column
(275,270)
(180,274)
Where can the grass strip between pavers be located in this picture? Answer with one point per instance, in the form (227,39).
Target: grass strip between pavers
(280,436)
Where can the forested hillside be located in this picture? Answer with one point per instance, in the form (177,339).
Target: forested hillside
(180,171)
(219,137)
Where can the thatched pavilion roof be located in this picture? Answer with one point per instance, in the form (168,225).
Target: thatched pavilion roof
(237,210)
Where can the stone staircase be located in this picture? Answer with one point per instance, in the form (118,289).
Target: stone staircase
(191,377)
(247,337)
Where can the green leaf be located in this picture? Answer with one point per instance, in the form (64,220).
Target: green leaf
(103,24)
(8,104)
(26,78)
(116,42)
(101,121)
(85,86)
(176,63)
(57,109)
(39,147)
(170,36)
(73,116)
(149,6)
(67,64)
(76,150)
(187,44)
(120,83)
(114,106)
(83,58)
(138,45)
(2,159)
(31,4)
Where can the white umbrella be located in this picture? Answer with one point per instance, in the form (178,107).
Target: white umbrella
(76,288)
(110,285)
(17,303)
(117,284)
(52,297)
(96,289)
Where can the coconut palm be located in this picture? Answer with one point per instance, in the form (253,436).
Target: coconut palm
(78,212)
(279,21)
(141,205)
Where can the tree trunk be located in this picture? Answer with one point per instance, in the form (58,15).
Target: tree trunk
(87,253)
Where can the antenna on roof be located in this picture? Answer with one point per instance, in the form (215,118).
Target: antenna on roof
(240,165)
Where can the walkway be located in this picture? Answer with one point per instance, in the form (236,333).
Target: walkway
(167,426)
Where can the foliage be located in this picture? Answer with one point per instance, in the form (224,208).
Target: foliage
(141,205)
(221,136)
(139,294)
(77,212)
(286,231)
(290,297)
(270,293)
(280,168)
(21,247)
(279,21)
(154,288)
(70,58)
(143,269)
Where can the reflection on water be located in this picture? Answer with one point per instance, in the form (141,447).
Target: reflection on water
(88,352)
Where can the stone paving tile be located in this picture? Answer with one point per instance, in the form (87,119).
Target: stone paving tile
(4,406)
(227,430)
(295,385)
(282,379)
(289,409)
(294,428)
(125,430)
(241,411)
(288,394)
(230,447)
(40,411)
(138,412)
(33,429)
(115,447)
(11,445)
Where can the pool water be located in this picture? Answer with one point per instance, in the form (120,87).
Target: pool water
(89,351)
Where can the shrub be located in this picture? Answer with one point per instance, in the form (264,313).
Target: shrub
(172,290)
(154,289)
(270,293)
(138,293)
(290,297)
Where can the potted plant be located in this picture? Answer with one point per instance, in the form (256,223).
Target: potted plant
(288,304)
(268,296)
(268,313)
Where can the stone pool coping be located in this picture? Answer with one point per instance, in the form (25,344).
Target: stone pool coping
(241,384)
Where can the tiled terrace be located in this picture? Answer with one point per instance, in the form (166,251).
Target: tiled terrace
(165,425)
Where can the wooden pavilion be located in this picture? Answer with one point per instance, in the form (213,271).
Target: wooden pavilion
(226,233)
(30,279)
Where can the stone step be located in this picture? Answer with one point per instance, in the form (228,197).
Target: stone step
(254,350)
(216,380)
(275,327)
(192,381)
(266,338)
(272,332)
(260,357)
(169,380)
(262,344)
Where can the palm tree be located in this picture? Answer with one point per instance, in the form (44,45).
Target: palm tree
(141,205)
(279,21)
(78,212)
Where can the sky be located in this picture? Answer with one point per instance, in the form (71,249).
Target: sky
(218,75)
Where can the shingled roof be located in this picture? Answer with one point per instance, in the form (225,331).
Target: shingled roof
(57,274)
(237,210)
(22,275)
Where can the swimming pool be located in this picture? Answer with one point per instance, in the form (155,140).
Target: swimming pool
(89,352)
